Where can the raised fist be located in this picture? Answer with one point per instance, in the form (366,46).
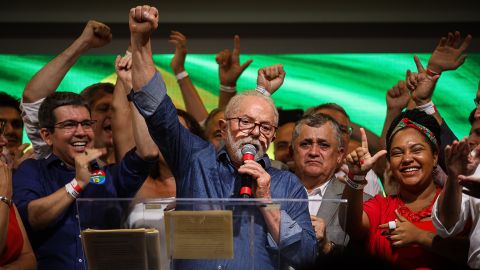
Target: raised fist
(271,77)
(96,34)
(143,20)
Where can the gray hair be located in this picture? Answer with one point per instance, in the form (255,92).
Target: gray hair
(317,120)
(233,105)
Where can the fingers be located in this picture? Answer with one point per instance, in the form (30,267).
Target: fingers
(22,148)
(223,58)
(364,139)
(273,72)
(88,155)
(400,217)
(236,47)
(246,64)
(378,155)
(418,64)
(145,14)
(466,42)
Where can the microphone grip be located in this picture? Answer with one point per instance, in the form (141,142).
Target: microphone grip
(246,189)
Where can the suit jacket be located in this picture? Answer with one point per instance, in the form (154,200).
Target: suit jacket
(329,212)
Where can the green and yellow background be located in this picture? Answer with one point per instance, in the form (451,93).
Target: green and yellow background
(358,82)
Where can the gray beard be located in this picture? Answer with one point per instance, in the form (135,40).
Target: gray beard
(236,146)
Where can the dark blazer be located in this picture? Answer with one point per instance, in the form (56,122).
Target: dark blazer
(329,212)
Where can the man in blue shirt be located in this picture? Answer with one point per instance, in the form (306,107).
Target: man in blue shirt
(46,189)
(201,172)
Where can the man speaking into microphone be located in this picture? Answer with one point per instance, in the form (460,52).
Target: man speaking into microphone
(201,172)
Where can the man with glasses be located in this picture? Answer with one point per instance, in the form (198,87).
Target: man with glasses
(46,189)
(202,172)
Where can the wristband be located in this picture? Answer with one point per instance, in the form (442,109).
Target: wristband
(355,185)
(73,188)
(228,89)
(428,108)
(181,75)
(76,186)
(6,200)
(262,90)
(431,73)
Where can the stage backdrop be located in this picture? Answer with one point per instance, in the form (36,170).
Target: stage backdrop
(358,82)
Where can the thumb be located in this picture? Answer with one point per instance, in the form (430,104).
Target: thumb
(378,155)
(246,64)
(400,217)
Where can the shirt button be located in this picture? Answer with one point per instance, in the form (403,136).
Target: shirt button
(80,260)
(79,236)
(219,267)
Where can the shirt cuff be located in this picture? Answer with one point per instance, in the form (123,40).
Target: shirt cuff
(290,232)
(458,227)
(149,97)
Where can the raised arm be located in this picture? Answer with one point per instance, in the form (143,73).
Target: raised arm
(229,70)
(451,196)
(128,121)
(449,53)
(270,78)
(359,163)
(46,81)
(122,131)
(193,102)
(143,20)
(397,98)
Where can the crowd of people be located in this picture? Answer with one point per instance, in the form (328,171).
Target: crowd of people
(413,200)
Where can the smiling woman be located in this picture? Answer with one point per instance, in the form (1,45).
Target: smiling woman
(399,228)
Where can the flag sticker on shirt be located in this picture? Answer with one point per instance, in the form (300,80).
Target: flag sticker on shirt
(97,177)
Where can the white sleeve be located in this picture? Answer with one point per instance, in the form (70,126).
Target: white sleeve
(373,187)
(32,127)
(458,227)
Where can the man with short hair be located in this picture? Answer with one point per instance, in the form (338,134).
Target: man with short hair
(338,113)
(45,189)
(202,172)
(99,96)
(318,150)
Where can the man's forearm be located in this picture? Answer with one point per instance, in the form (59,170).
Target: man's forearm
(42,212)
(272,219)
(449,203)
(47,80)
(143,67)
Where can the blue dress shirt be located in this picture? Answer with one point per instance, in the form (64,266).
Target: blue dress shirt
(201,172)
(59,245)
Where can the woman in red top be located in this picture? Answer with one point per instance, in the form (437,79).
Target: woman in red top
(15,249)
(399,228)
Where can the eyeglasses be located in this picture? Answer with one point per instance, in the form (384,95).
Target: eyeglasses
(346,129)
(246,125)
(2,127)
(476,101)
(71,125)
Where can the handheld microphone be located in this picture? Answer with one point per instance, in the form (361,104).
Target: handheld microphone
(246,189)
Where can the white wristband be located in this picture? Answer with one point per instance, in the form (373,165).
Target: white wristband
(71,191)
(181,75)
(262,90)
(428,108)
(228,89)
(353,184)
